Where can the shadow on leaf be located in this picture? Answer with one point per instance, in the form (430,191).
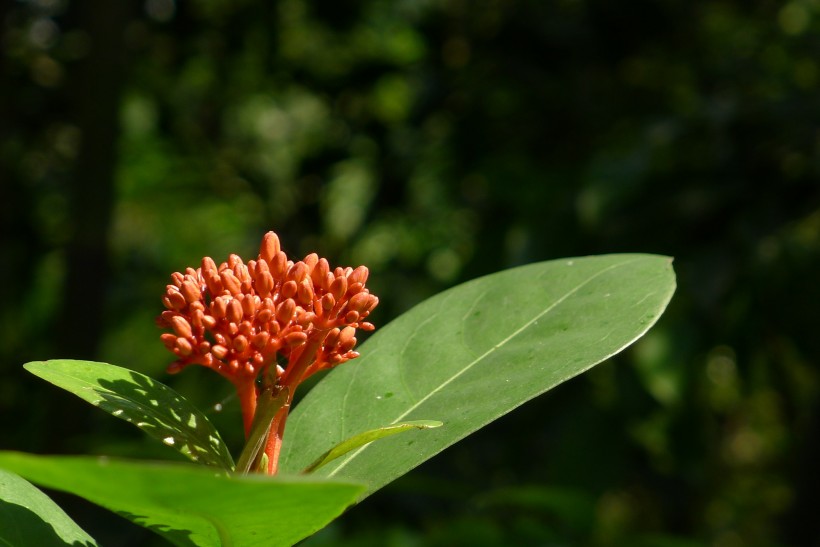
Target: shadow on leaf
(165,415)
(22,527)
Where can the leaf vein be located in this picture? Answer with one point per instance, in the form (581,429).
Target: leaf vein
(481,357)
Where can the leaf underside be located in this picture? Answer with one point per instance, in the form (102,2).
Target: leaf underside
(473,353)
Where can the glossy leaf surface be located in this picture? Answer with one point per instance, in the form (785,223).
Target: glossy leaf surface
(191,504)
(150,405)
(472,354)
(28,518)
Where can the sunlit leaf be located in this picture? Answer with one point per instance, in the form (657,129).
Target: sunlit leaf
(191,504)
(472,354)
(366,437)
(150,405)
(28,518)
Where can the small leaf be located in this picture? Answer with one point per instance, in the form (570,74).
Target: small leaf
(366,437)
(28,518)
(150,405)
(473,353)
(192,504)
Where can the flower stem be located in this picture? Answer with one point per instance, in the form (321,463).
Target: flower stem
(290,380)
(246,391)
(273,401)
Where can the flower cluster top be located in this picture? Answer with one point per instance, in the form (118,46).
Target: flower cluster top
(239,319)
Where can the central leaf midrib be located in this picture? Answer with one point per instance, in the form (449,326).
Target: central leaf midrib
(483,356)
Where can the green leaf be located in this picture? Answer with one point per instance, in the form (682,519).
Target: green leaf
(473,353)
(150,405)
(192,504)
(362,439)
(28,518)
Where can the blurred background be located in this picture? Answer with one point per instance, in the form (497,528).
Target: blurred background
(436,142)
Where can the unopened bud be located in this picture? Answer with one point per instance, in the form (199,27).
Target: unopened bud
(249,305)
(289,289)
(359,275)
(230,282)
(181,326)
(359,302)
(270,247)
(208,265)
(311,260)
(339,287)
(319,272)
(285,311)
(183,347)
(295,338)
(234,312)
(305,293)
(240,344)
(173,300)
(168,339)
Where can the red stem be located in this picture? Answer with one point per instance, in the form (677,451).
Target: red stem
(246,391)
(291,378)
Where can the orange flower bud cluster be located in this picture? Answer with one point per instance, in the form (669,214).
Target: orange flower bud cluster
(238,318)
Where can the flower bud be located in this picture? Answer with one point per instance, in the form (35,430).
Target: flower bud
(219,307)
(190,291)
(338,288)
(234,312)
(295,338)
(240,343)
(305,293)
(249,305)
(285,311)
(328,302)
(219,351)
(230,282)
(359,302)
(173,300)
(270,247)
(289,289)
(319,273)
(208,266)
(181,326)
(168,339)
(310,261)
(278,265)
(264,284)
(359,275)
(183,347)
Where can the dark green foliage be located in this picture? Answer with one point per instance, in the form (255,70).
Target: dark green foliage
(436,142)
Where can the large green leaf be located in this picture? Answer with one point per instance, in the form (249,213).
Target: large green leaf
(472,354)
(192,504)
(150,405)
(28,518)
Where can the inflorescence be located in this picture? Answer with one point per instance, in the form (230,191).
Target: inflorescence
(271,320)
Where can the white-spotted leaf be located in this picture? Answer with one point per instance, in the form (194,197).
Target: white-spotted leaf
(150,405)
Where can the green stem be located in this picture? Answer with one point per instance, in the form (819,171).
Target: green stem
(269,403)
